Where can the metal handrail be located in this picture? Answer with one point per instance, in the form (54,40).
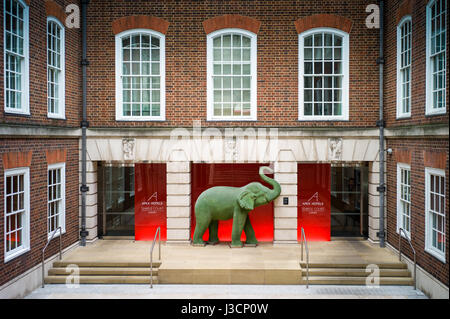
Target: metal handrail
(43,251)
(158,232)
(400,250)
(303,240)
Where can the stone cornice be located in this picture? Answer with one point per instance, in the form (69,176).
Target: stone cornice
(435,130)
(430,130)
(19,131)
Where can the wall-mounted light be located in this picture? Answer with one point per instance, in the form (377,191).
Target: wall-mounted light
(389,151)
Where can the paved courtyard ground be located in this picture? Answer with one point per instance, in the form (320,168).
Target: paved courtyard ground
(224,292)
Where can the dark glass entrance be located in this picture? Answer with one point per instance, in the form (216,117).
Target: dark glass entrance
(116,192)
(349,200)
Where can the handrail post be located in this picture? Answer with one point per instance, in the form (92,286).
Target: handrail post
(45,247)
(151,269)
(400,230)
(303,239)
(159,240)
(158,232)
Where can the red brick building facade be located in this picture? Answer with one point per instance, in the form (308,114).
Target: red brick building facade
(342,131)
(419,150)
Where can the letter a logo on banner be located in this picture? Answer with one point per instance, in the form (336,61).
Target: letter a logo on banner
(154,195)
(314,197)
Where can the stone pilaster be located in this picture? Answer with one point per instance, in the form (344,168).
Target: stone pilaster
(178,199)
(285,215)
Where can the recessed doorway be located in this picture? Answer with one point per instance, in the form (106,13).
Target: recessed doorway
(349,201)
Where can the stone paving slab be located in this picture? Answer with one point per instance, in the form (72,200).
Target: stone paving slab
(224,292)
(262,256)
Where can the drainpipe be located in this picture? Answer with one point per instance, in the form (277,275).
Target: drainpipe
(380,123)
(84,124)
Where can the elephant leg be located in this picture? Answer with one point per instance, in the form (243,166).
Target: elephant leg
(238,225)
(249,233)
(213,232)
(200,228)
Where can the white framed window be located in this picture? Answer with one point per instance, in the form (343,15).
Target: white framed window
(404,40)
(435,236)
(231,75)
(56,198)
(16,57)
(323,75)
(140,75)
(55,69)
(404,198)
(17,212)
(436,55)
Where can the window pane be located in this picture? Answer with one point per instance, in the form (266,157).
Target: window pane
(308,41)
(227,69)
(217,42)
(217,55)
(226,41)
(236,40)
(337,109)
(245,42)
(328,109)
(308,53)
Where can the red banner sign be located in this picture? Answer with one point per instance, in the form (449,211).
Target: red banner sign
(150,201)
(314,208)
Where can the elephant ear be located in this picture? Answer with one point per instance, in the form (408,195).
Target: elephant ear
(246,200)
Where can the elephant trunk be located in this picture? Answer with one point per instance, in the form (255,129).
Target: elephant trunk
(276,186)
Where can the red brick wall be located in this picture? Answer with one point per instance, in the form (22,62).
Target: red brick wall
(38,70)
(38,200)
(394,9)
(417,148)
(277,61)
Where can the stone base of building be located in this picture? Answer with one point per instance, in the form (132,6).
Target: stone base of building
(426,283)
(25,283)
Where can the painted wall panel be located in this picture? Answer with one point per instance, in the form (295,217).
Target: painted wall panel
(205,176)
(314,201)
(150,201)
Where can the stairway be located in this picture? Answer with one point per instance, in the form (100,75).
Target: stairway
(355,274)
(103,273)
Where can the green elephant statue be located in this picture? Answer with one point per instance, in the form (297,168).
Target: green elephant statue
(223,203)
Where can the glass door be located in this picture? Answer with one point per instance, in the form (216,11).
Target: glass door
(117,192)
(349,201)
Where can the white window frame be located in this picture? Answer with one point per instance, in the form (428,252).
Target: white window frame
(25,98)
(62,215)
(25,171)
(62,79)
(400,97)
(429,110)
(400,167)
(253,73)
(345,80)
(440,255)
(162,70)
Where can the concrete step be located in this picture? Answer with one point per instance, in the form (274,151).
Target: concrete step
(336,280)
(354,272)
(398,265)
(124,271)
(61,264)
(103,280)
